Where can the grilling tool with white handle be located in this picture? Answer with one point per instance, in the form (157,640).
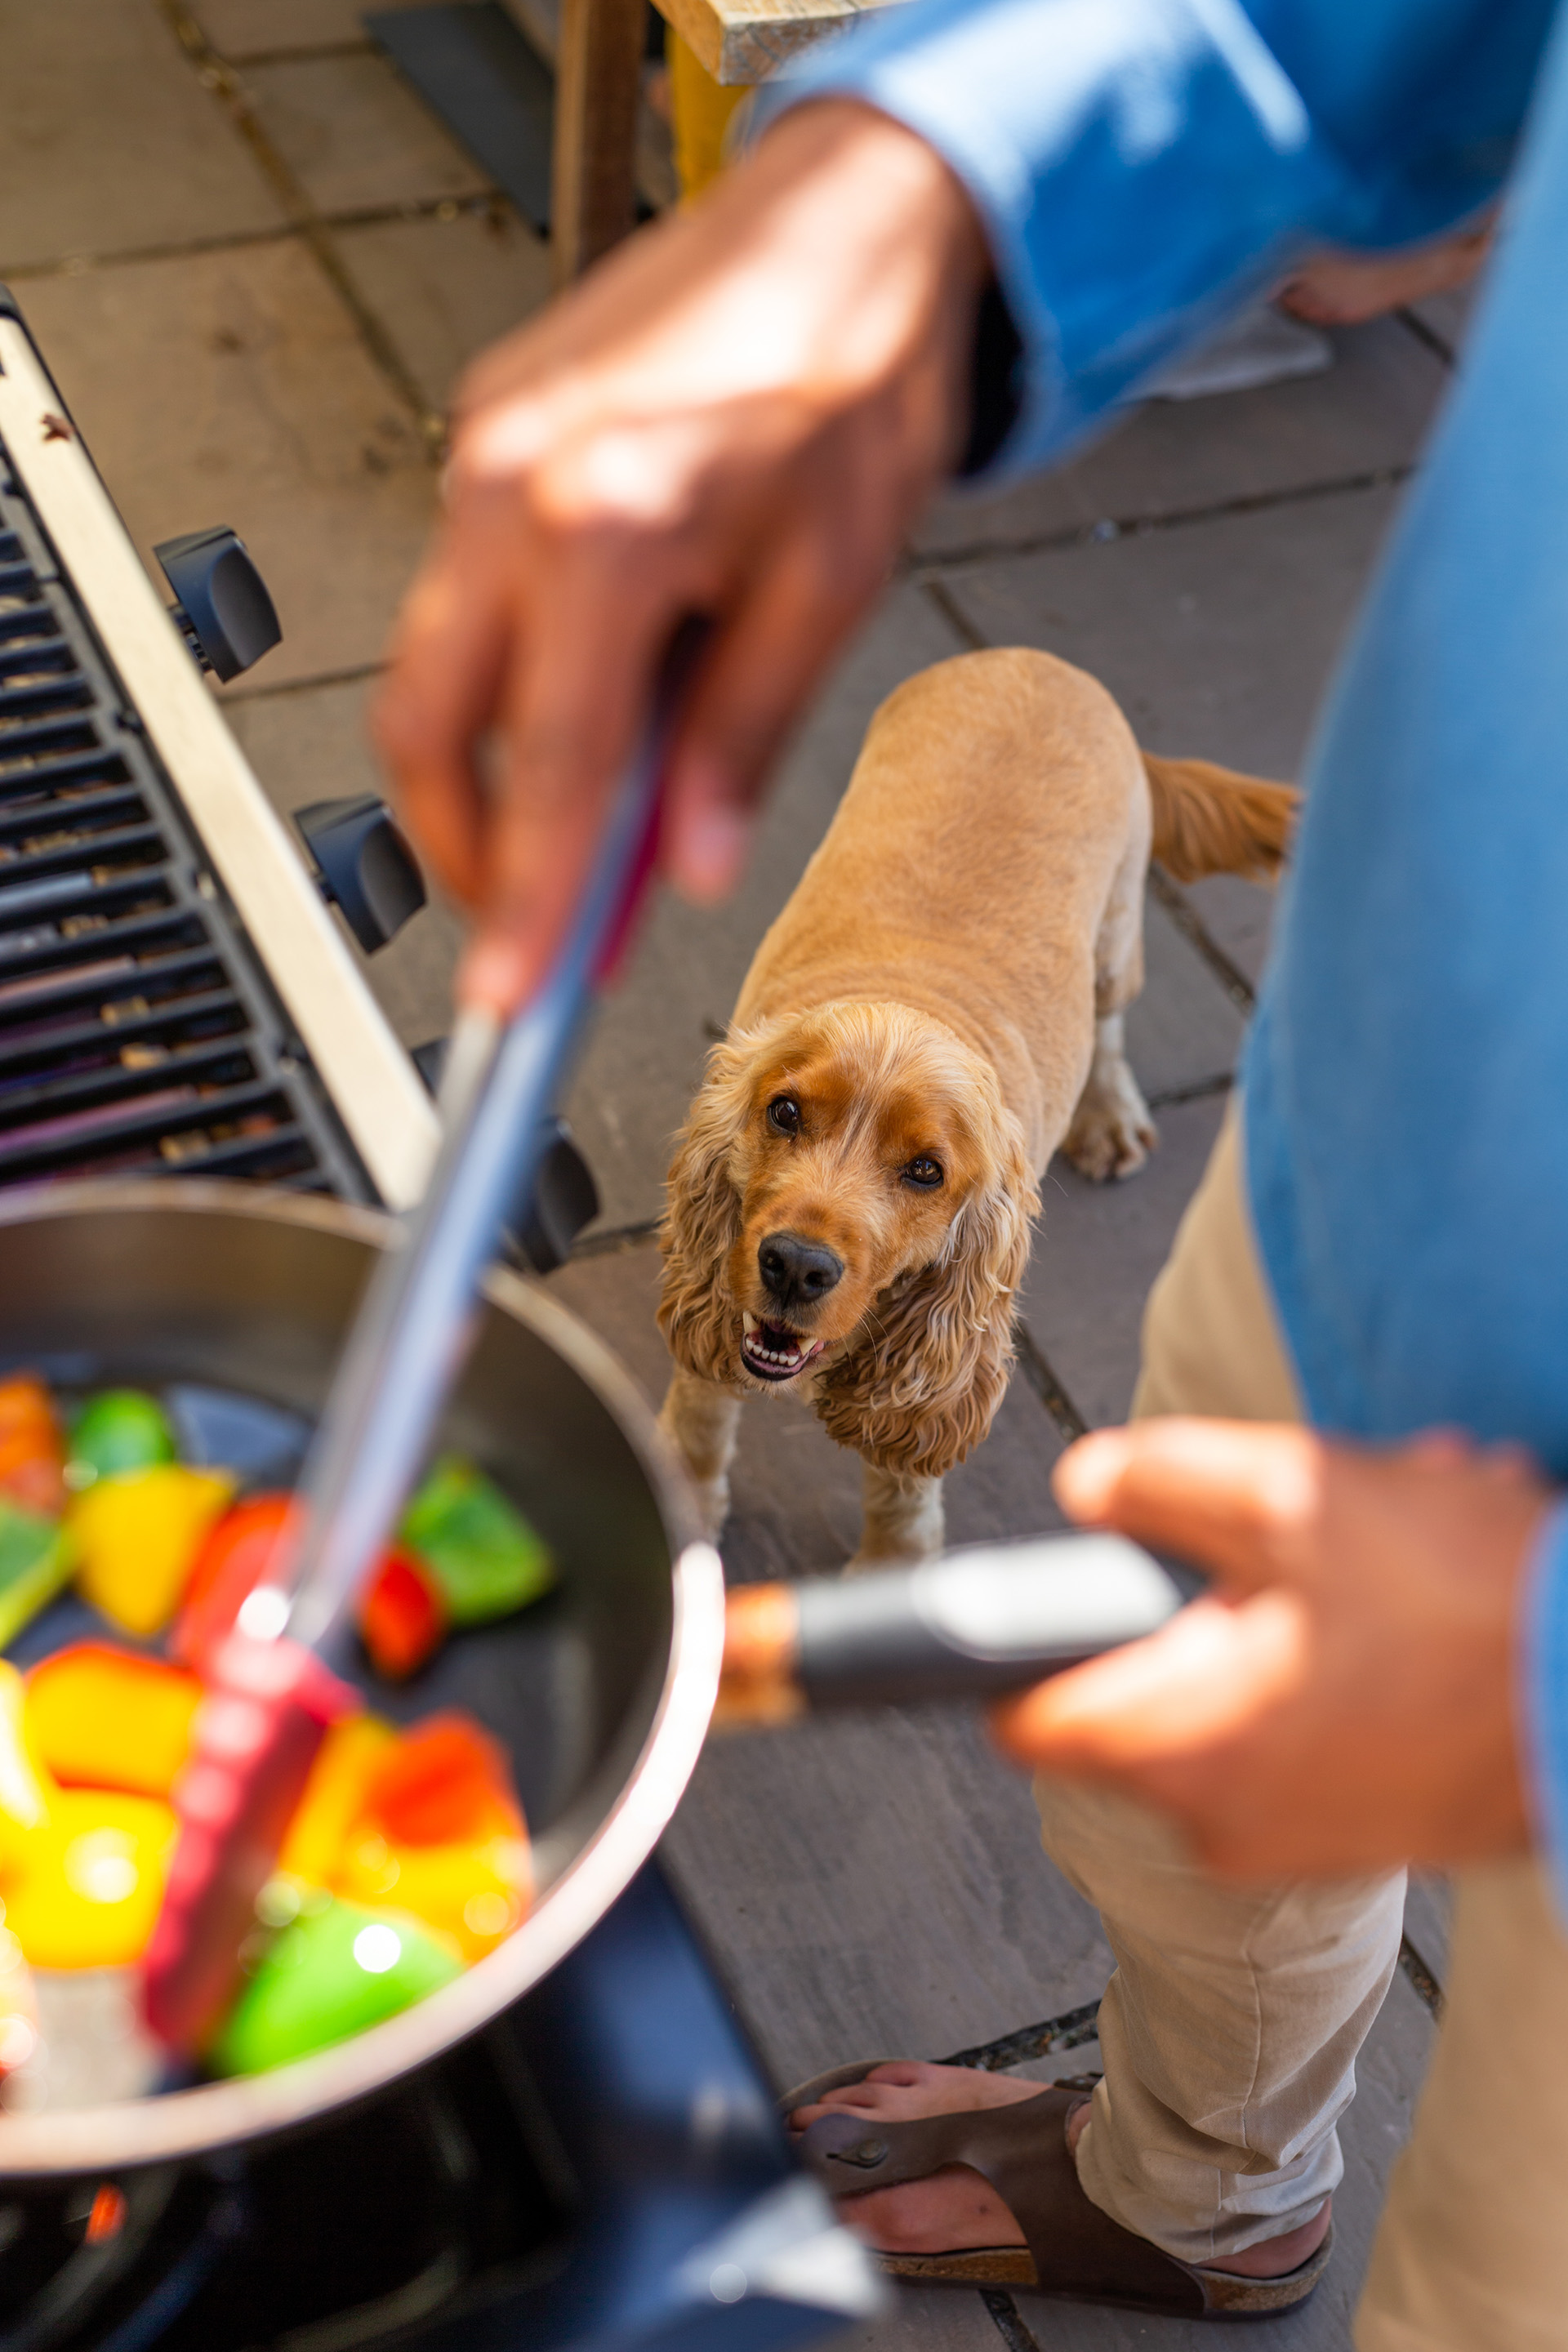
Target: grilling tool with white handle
(270,1695)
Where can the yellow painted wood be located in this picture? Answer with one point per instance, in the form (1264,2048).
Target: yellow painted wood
(700,112)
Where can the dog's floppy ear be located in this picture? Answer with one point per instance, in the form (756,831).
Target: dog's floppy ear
(702,1219)
(920,1390)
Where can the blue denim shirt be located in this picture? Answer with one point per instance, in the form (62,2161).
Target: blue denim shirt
(1140,165)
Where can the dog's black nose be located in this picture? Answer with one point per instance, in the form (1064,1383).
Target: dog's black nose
(797,1273)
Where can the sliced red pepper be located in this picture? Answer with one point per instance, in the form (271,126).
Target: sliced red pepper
(232,1562)
(402,1616)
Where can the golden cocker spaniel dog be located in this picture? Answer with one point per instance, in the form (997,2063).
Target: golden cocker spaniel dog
(937,1009)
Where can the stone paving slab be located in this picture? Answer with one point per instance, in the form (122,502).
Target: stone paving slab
(108,142)
(444,288)
(1238,916)
(1215,637)
(1101,1247)
(243,28)
(1366,414)
(1448,316)
(355,136)
(872,1886)
(1184,1029)
(232,387)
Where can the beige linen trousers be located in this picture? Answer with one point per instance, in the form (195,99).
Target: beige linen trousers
(1231,2025)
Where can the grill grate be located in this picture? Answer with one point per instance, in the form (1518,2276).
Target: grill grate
(139,1032)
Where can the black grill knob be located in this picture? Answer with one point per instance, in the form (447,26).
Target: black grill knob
(566,1197)
(228,618)
(364,864)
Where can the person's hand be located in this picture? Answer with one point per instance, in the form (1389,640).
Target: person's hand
(1344,1699)
(737,414)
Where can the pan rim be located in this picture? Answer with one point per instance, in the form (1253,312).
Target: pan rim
(157,2129)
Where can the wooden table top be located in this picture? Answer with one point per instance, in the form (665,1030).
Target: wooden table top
(748,40)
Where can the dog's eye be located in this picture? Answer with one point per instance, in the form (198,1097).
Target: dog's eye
(925,1174)
(784,1114)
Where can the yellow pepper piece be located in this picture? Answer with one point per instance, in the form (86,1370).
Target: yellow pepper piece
(334,1798)
(27,1791)
(138,1534)
(101,1718)
(87,1886)
(474,1892)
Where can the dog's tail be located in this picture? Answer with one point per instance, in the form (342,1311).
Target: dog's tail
(1209,820)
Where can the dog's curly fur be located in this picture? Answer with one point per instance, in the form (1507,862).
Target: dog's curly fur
(942,993)
(918,1385)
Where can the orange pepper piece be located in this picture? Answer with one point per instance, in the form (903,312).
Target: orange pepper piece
(444,1782)
(105,1718)
(474,1892)
(32,1446)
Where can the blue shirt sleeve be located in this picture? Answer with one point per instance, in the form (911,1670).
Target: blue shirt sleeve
(1142,166)
(1544,1675)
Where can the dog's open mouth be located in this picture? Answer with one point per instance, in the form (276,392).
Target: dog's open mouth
(773,1352)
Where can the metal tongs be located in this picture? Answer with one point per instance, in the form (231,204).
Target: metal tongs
(271,1694)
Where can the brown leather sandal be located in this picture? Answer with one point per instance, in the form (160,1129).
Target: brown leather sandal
(1073,2249)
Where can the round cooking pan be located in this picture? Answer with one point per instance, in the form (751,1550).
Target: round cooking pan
(601,1693)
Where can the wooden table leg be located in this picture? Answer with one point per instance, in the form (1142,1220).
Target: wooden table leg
(598,80)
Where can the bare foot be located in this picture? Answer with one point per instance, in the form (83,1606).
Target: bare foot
(1341,290)
(950,2208)
(956,2208)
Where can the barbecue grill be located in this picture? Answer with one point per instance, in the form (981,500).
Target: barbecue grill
(600,2164)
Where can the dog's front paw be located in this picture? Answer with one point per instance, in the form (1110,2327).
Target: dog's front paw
(1112,1133)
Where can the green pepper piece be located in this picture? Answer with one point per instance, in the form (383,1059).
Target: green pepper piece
(36,1557)
(480,1550)
(119,1429)
(333,1973)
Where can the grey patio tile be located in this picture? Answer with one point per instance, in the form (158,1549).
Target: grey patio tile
(1101,1247)
(232,387)
(1216,639)
(1238,916)
(243,28)
(933,2319)
(646,1057)
(108,141)
(1369,412)
(1183,1028)
(445,289)
(355,136)
(1449,315)
(872,1885)
(311,745)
